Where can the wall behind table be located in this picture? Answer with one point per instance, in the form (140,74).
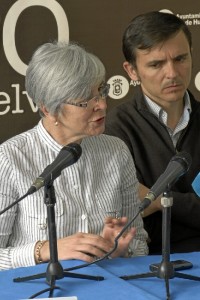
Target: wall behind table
(96,24)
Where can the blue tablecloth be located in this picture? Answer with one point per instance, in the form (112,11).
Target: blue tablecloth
(112,287)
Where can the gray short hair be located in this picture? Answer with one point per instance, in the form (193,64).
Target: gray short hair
(60,72)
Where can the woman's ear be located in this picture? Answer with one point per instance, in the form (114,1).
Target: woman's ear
(44,110)
(130,70)
(47,113)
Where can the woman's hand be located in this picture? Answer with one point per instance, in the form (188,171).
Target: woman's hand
(82,246)
(86,246)
(112,228)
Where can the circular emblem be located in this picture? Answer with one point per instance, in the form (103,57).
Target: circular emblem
(119,87)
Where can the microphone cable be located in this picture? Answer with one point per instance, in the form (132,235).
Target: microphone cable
(14,203)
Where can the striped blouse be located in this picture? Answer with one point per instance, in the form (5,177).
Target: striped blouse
(101,183)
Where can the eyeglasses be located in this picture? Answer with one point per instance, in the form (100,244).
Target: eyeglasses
(103,93)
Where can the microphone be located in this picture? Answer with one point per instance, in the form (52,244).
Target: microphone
(178,166)
(196,184)
(67,156)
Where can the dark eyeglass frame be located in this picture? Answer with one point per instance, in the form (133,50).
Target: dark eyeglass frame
(103,90)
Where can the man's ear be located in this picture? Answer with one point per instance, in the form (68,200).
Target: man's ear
(131,71)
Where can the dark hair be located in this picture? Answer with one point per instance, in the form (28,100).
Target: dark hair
(150,29)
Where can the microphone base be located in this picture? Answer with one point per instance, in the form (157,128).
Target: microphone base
(54,269)
(56,277)
(165,274)
(165,269)
(156,274)
(53,273)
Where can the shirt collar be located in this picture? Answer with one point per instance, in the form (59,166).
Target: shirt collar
(47,138)
(158,111)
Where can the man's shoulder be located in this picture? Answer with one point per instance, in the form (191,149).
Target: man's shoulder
(193,98)
(130,106)
(122,107)
(195,105)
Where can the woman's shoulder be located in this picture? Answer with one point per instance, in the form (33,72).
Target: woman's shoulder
(21,140)
(108,142)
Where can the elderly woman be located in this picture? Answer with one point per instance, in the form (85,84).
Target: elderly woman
(68,86)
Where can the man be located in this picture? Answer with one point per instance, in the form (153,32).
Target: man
(163,118)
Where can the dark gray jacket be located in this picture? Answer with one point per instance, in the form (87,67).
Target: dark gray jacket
(152,149)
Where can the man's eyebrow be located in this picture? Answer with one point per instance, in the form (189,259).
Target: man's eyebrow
(157,61)
(182,55)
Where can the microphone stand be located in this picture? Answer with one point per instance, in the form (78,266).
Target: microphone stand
(54,269)
(165,269)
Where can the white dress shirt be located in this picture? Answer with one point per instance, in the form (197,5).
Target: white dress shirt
(161,114)
(101,183)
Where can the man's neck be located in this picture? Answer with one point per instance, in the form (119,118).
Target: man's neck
(174,110)
(174,113)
